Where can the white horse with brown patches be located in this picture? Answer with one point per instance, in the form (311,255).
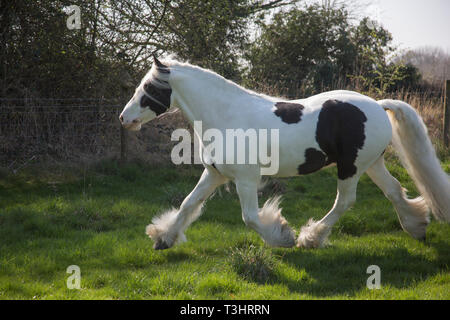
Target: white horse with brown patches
(341,128)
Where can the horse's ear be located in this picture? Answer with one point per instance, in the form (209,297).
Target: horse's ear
(158,63)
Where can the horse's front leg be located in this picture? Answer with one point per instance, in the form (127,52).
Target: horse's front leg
(168,228)
(267,221)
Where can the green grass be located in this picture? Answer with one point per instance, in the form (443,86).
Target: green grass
(95,218)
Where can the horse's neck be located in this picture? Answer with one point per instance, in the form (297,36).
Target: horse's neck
(208,97)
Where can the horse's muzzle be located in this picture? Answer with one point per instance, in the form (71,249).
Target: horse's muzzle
(134,125)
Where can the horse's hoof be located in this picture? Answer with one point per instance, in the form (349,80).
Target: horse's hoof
(160,245)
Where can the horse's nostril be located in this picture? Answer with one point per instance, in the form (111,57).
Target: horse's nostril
(121,118)
(135,121)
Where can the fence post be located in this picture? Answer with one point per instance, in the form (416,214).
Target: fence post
(126,85)
(123,145)
(446,132)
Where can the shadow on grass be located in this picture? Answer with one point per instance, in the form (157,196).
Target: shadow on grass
(341,271)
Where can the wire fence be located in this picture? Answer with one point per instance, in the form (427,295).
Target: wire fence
(62,129)
(38,130)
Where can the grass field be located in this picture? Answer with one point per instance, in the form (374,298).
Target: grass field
(95,218)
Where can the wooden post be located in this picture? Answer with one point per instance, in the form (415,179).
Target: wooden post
(123,145)
(126,85)
(447,114)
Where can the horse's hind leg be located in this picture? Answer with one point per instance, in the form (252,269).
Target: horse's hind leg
(168,228)
(412,213)
(315,233)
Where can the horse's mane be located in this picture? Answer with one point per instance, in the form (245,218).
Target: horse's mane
(210,76)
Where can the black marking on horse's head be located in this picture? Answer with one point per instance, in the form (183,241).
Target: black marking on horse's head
(340,134)
(289,112)
(147,102)
(157,91)
(314,161)
(155,98)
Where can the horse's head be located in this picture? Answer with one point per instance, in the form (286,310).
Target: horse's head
(150,99)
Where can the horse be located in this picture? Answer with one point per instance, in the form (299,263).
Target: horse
(337,128)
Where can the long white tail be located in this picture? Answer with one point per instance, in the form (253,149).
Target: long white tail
(410,140)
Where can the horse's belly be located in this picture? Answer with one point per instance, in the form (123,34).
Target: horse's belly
(297,157)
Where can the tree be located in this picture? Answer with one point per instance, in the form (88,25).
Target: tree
(209,33)
(433,63)
(41,57)
(308,48)
(315,49)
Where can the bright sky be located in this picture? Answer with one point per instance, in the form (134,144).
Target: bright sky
(414,23)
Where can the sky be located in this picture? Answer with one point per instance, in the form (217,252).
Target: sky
(413,23)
